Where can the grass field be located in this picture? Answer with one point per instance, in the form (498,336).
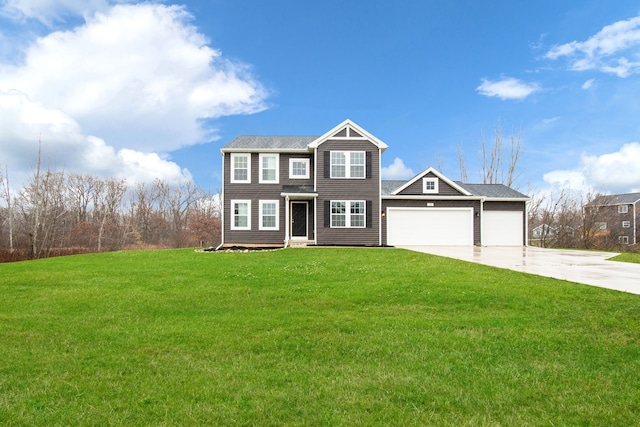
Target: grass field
(322,337)
(627,257)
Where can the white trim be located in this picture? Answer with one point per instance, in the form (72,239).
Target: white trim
(232,178)
(438,175)
(426,181)
(305,160)
(348,164)
(623,209)
(261,168)
(348,123)
(347,214)
(233,216)
(261,226)
(222,205)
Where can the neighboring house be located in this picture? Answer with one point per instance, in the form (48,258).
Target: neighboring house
(327,190)
(620,215)
(544,230)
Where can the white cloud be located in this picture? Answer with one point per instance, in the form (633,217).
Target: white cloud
(603,51)
(616,172)
(588,84)
(140,76)
(49,11)
(23,123)
(507,88)
(551,120)
(397,170)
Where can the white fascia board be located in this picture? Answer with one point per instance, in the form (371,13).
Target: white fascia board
(431,197)
(507,199)
(264,150)
(366,135)
(436,173)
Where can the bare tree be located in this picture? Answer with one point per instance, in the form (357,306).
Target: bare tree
(6,194)
(493,170)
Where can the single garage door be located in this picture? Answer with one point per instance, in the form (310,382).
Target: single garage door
(430,226)
(502,228)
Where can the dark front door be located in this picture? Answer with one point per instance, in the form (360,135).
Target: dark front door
(299,219)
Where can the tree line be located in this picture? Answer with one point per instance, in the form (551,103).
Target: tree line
(58,213)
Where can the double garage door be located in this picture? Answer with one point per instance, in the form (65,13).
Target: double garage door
(451,227)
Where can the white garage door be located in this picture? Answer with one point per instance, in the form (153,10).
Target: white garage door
(430,226)
(502,228)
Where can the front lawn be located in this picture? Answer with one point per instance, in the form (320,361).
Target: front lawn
(627,257)
(310,337)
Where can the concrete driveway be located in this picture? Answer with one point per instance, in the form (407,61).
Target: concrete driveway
(590,268)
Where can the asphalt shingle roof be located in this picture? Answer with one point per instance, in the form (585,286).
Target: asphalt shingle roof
(616,199)
(246,142)
(492,190)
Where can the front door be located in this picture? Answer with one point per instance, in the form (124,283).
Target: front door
(299,220)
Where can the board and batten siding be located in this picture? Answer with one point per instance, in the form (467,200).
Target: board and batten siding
(367,189)
(256,191)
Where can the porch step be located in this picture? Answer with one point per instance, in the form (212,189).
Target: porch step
(300,243)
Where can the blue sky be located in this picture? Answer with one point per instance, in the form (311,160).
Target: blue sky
(154,89)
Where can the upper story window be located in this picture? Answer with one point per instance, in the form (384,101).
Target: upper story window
(269,168)
(241,167)
(430,185)
(623,209)
(348,164)
(299,168)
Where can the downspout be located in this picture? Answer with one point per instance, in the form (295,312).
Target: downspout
(635,225)
(481,221)
(286,221)
(526,223)
(315,199)
(378,213)
(222,208)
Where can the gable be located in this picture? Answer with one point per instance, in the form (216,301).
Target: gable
(430,183)
(348,131)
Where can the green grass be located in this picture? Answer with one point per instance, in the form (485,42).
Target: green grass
(627,257)
(322,337)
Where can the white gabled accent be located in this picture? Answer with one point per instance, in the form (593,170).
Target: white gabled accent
(348,124)
(436,173)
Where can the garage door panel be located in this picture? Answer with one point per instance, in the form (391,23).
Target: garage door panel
(502,228)
(430,226)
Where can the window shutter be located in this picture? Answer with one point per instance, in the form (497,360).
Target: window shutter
(369,214)
(327,164)
(368,165)
(327,213)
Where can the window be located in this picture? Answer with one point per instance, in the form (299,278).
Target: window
(357,214)
(430,185)
(299,168)
(268,215)
(269,168)
(348,214)
(357,164)
(623,239)
(356,161)
(241,212)
(338,214)
(241,167)
(623,209)
(626,224)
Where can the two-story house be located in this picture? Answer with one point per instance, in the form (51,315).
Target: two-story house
(619,216)
(327,190)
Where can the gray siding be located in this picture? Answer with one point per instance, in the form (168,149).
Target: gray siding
(415,189)
(349,189)
(475,204)
(255,192)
